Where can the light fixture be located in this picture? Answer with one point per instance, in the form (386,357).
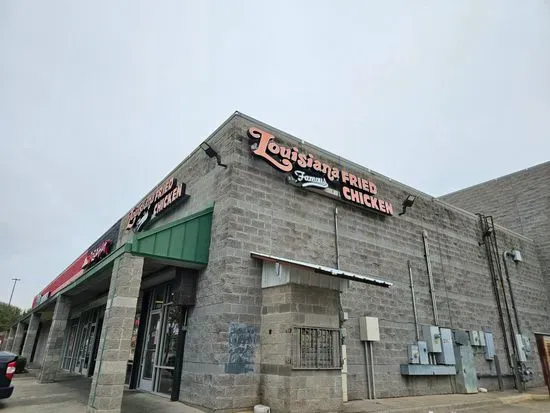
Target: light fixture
(515,255)
(408,202)
(212,153)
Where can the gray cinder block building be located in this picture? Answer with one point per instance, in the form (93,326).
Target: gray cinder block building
(265,270)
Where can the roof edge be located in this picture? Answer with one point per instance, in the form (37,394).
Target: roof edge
(500,178)
(401,185)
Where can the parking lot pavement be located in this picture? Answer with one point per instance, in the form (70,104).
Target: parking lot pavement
(65,396)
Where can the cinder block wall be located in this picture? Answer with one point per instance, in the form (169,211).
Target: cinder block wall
(519,201)
(283,388)
(226,292)
(279,219)
(41,343)
(255,210)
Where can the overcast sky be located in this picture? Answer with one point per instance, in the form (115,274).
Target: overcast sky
(100,99)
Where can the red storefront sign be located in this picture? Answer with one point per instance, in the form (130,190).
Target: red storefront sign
(97,254)
(97,251)
(71,273)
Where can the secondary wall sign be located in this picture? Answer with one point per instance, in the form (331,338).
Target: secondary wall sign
(306,171)
(100,249)
(97,254)
(162,199)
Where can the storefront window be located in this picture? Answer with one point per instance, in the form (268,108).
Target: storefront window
(170,337)
(150,349)
(133,343)
(70,348)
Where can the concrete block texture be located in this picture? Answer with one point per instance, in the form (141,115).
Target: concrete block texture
(114,344)
(283,388)
(256,210)
(18,339)
(30,337)
(519,201)
(54,343)
(9,339)
(272,217)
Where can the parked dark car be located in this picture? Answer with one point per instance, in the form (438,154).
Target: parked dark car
(8,363)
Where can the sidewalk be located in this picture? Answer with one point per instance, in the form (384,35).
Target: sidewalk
(69,394)
(446,403)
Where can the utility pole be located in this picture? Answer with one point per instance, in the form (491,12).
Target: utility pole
(13,288)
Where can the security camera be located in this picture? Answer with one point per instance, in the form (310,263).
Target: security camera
(516,256)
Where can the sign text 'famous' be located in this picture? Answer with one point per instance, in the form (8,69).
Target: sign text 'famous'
(308,172)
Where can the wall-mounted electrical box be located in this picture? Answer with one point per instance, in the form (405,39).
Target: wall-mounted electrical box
(474,338)
(521,356)
(368,329)
(481,338)
(447,355)
(414,355)
(461,337)
(489,346)
(432,337)
(423,352)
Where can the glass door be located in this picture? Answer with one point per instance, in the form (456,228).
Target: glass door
(158,361)
(166,361)
(95,347)
(150,351)
(89,344)
(84,344)
(70,345)
(81,347)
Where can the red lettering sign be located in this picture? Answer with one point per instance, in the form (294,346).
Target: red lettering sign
(97,254)
(309,172)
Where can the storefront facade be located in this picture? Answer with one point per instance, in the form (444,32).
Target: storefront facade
(247,277)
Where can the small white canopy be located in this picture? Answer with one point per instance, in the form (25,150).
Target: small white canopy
(322,269)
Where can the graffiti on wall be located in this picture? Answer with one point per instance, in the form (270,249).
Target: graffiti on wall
(242,346)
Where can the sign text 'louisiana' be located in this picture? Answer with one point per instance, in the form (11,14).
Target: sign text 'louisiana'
(308,172)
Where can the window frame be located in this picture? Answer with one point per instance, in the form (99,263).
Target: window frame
(296,356)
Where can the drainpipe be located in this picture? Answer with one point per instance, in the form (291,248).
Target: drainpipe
(414,302)
(504,257)
(343,349)
(430,276)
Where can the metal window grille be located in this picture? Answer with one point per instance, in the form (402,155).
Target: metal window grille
(316,348)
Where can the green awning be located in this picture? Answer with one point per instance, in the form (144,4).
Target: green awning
(186,239)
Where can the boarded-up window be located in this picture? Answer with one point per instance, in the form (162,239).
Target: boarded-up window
(316,348)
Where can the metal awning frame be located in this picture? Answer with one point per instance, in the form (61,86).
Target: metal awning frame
(323,270)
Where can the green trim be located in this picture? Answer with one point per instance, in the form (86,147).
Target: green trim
(186,240)
(97,268)
(191,263)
